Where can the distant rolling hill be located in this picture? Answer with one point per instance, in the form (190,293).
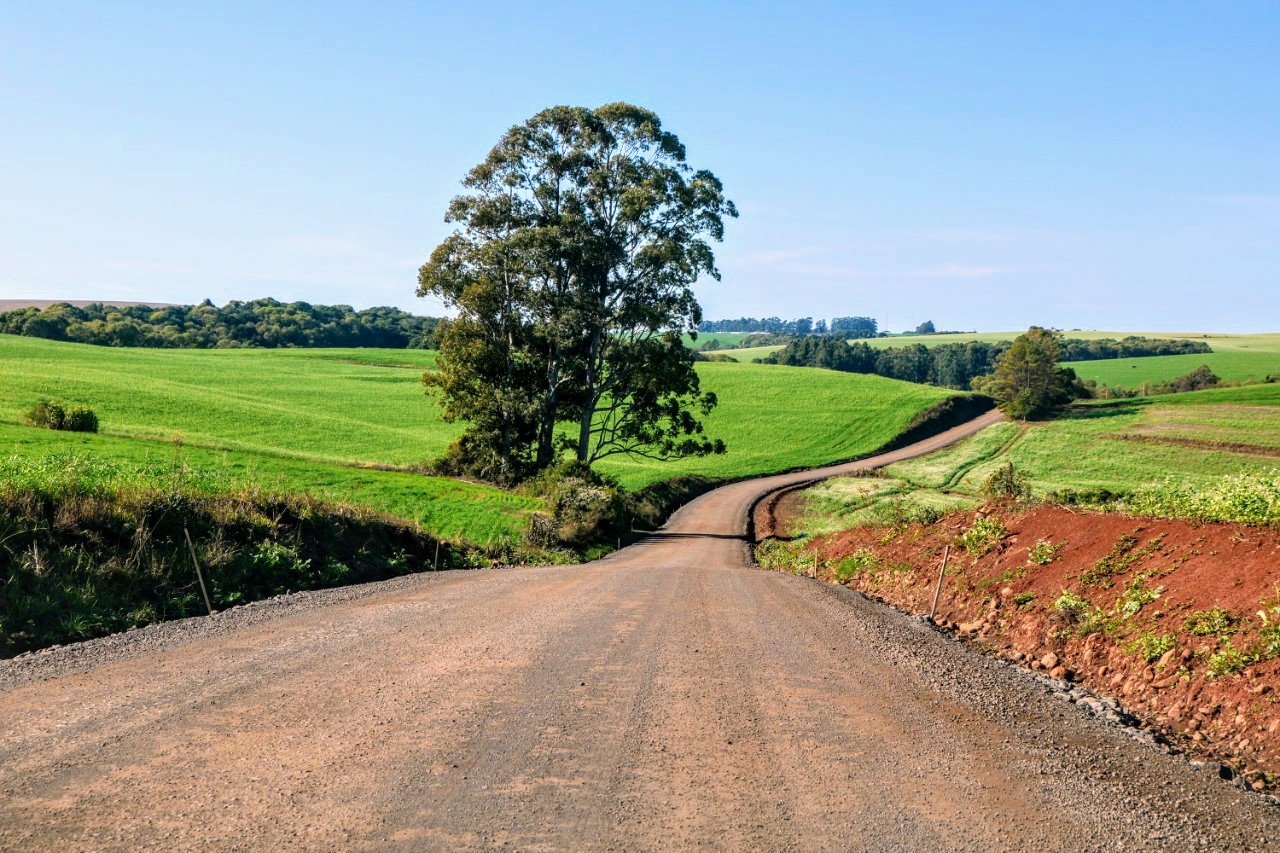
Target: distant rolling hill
(15,304)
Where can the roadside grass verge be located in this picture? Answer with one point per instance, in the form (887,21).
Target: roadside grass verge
(90,547)
(453,510)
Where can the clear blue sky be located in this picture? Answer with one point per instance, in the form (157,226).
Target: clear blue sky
(984,165)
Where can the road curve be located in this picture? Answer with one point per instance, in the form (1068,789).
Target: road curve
(668,696)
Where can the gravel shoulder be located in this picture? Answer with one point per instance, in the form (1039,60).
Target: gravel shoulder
(671,695)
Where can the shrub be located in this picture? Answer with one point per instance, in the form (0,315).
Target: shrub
(1006,484)
(903,512)
(49,415)
(583,507)
(1084,497)
(983,536)
(46,415)
(81,419)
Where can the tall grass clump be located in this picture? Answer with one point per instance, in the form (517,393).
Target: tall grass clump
(90,547)
(1246,498)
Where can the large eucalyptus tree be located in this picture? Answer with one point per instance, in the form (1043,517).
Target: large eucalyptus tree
(578,242)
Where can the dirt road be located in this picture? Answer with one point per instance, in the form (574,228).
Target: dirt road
(669,696)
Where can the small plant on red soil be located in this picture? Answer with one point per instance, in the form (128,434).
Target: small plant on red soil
(1269,634)
(1136,596)
(1123,556)
(1044,552)
(1151,647)
(983,536)
(1227,660)
(1212,623)
(854,564)
(1078,615)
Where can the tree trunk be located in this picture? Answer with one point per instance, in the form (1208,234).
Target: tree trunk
(592,397)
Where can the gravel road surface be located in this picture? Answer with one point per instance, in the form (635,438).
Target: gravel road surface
(669,696)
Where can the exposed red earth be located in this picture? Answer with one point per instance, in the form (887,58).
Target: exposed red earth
(670,696)
(1216,583)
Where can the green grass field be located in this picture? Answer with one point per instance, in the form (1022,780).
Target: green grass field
(726,339)
(1119,447)
(775,418)
(1194,439)
(315,420)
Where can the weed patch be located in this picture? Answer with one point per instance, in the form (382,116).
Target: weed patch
(983,537)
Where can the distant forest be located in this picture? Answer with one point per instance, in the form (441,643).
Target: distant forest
(955,365)
(265,323)
(850,327)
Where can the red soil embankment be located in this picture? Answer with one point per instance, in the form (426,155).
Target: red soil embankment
(1201,692)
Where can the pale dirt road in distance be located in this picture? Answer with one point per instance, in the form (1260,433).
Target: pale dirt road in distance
(670,696)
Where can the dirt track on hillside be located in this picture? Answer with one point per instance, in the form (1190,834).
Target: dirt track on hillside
(668,696)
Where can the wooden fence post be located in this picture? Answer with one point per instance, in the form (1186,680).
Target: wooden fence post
(199,576)
(937,592)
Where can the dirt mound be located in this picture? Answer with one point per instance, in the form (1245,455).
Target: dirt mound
(1179,621)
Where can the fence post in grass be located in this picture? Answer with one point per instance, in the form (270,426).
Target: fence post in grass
(199,576)
(437,561)
(937,592)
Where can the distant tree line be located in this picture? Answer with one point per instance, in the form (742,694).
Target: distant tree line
(772,325)
(265,323)
(850,327)
(1134,346)
(953,365)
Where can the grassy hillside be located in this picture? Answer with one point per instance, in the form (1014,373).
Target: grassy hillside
(1237,365)
(726,339)
(314,420)
(776,418)
(1193,439)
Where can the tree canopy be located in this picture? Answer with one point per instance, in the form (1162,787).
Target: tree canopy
(258,323)
(1028,383)
(578,241)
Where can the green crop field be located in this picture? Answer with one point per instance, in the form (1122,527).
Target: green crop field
(316,420)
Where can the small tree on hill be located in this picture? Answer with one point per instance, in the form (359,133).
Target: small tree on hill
(926,328)
(1028,383)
